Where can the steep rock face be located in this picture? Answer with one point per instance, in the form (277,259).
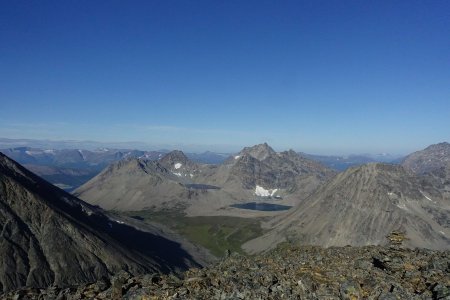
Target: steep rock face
(180,165)
(259,152)
(50,237)
(261,166)
(361,206)
(175,157)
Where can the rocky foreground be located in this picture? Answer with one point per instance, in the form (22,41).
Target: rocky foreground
(288,272)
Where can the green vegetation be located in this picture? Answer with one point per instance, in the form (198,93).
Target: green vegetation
(216,233)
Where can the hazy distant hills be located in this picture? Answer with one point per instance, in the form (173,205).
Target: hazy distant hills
(208,157)
(361,206)
(342,163)
(75,158)
(50,237)
(69,168)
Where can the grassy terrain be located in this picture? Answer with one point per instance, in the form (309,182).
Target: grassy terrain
(214,233)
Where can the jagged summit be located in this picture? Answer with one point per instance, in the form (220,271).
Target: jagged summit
(439,146)
(175,160)
(174,156)
(260,151)
(430,159)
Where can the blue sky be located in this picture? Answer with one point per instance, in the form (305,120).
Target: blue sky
(316,76)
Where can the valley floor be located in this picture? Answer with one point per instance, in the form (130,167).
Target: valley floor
(215,233)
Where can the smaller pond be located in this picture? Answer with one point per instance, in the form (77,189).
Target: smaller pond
(261,206)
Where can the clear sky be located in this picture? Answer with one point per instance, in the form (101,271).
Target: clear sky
(316,76)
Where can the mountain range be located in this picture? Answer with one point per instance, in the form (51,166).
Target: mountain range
(256,173)
(69,168)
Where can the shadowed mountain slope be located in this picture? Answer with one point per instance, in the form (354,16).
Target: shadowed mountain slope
(50,237)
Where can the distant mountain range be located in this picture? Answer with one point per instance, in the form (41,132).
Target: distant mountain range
(69,164)
(342,163)
(50,237)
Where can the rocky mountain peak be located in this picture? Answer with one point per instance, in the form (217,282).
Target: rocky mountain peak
(179,164)
(443,145)
(260,151)
(430,159)
(441,150)
(174,157)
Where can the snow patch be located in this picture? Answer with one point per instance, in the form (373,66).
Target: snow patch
(178,174)
(177,166)
(192,175)
(262,192)
(237,157)
(120,222)
(441,232)
(49,151)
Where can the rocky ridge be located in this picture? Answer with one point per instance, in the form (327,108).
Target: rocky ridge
(287,272)
(433,164)
(432,158)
